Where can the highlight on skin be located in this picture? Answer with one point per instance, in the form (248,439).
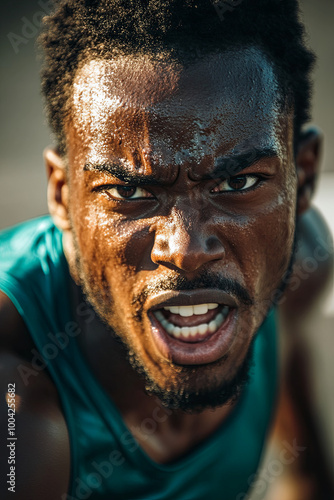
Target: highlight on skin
(148,131)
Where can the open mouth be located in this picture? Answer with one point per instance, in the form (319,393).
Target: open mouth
(193,327)
(193,323)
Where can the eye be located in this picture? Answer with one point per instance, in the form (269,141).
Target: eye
(237,183)
(128,193)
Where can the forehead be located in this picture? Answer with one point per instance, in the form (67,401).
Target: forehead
(226,101)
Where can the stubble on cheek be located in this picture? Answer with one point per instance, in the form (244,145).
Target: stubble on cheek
(104,274)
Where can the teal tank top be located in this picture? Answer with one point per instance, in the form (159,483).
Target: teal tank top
(106,461)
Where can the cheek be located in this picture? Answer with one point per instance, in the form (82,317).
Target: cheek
(112,251)
(274,245)
(260,246)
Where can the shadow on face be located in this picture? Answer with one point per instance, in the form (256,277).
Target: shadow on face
(176,174)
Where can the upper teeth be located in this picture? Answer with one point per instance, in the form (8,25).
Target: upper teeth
(201,330)
(190,310)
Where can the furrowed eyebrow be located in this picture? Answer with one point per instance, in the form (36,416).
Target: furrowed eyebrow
(225,167)
(121,174)
(232,165)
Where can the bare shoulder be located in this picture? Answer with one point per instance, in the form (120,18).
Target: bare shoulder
(30,411)
(312,275)
(14,335)
(302,343)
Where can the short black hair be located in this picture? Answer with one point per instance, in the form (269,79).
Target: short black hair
(81,29)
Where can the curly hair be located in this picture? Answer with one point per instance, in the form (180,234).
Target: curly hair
(81,29)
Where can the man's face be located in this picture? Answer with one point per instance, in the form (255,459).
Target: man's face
(182,204)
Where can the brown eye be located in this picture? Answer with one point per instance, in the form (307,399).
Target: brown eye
(237,183)
(128,193)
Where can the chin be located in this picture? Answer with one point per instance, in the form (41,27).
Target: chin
(194,389)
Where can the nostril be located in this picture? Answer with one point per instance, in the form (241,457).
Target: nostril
(186,248)
(213,244)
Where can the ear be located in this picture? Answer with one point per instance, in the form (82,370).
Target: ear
(308,165)
(57,188)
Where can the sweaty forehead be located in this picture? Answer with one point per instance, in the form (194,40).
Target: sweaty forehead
(164,107)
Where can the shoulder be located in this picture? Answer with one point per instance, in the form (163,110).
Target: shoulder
(40,454)
(14,336)
(303,341)
(312,273)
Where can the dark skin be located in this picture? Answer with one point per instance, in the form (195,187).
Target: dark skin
(126,246)
(169,125)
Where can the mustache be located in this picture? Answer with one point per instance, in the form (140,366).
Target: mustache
(203,281)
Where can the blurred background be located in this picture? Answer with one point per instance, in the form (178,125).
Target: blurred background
(24,135)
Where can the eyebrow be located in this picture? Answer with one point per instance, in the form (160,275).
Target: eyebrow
(229,166)
(225,167)
(122,174)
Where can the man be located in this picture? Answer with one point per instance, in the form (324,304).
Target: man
(139,324)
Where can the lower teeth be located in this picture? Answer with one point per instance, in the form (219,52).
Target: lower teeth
(192,331)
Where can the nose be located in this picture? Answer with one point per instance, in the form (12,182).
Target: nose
(185,243)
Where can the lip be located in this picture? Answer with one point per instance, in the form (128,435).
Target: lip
(204,351)
(190,298)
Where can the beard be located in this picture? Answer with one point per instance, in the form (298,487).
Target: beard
(176,395)
(192,401)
